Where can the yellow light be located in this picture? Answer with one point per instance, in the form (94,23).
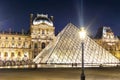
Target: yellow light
(82,33)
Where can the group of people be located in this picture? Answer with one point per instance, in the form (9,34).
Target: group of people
(15,61)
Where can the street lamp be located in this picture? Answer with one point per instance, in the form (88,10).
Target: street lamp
(82,34)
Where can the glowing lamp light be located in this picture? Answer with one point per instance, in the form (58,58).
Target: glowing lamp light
(82,33)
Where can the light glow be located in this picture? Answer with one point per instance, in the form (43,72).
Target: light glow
(82,33)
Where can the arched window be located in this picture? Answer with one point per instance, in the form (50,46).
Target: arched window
(43,31)
(43,45)
(19,54)
(47,31)
(23,44)
(30,46)
(12,38)
(12,44)
(19,38)
(12,54)
(6,54)
(35,46)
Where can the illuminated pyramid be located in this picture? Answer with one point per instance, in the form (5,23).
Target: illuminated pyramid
(66,49)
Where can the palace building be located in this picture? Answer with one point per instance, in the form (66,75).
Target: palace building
(105,37)
(41,45)
(17,47)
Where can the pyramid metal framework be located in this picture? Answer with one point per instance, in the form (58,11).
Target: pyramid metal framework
(66,49)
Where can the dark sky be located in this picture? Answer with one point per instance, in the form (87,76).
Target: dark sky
(95,13)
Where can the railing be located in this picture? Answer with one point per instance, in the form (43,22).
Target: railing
(76,65)
(30,64)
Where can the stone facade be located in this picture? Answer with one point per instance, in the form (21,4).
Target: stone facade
(18,47)
(106,38)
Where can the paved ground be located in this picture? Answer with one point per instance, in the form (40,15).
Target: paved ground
(60,74)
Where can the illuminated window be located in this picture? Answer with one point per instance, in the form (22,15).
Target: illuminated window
(43,45)
(19,54)
(30,46)
(12,54)
(13,44)
(12,38)
(36,46)
(23,44)
(43,31)
(6,54)
(6,37)
(47,31)
(19,38)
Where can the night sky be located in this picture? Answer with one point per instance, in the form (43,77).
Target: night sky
(15,14)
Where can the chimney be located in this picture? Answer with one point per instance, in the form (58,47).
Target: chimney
(51,18)
(31,19)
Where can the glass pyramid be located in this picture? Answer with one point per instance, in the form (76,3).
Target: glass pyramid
(66,49)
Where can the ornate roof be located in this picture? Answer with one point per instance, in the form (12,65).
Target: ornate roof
(41,18)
